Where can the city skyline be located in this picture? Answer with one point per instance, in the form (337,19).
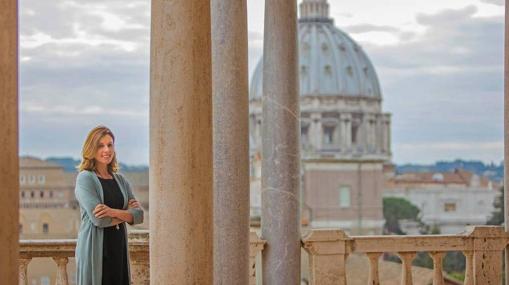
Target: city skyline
(440,79)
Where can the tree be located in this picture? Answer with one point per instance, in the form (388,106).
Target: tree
(396,209)
(497,216)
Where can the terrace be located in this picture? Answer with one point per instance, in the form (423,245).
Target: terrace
(199,146)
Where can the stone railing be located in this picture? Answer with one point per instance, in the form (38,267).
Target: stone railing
(482,246)
(328,252)
(61,250)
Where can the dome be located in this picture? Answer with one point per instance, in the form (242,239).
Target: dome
(330,62)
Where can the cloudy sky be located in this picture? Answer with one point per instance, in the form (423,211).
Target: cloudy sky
(440,64)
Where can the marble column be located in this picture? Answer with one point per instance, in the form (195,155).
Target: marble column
(9,168)
(281,147)
(231,141)
(181,181)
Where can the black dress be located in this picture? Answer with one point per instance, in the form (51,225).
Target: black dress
(115,270)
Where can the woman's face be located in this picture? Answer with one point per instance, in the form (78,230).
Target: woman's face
(105,150)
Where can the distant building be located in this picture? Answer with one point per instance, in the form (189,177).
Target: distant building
(345,135)
(448,201)
(48,208)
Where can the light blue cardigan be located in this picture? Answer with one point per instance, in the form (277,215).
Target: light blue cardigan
(89,247)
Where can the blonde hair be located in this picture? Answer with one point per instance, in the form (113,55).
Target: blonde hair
(90,149)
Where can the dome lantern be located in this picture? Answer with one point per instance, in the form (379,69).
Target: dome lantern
(314,10)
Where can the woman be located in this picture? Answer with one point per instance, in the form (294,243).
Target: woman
(106,203)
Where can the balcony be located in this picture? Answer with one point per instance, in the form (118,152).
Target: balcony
(328,252)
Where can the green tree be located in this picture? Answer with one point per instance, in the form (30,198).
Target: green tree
(396,209)
(497,216)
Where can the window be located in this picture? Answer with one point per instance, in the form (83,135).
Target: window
(349,71)
(22,179)
(45,228)
(304,135)
(51,194)
(41,194)
(328,134)
(438,177)
(450,207)
(32,194)
(20,228)
(355,128)
(22,194)
(42,179)
(344,196)
(31,179)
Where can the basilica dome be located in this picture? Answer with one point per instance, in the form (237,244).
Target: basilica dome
(330,62)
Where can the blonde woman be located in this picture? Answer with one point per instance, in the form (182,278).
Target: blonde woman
(106,203)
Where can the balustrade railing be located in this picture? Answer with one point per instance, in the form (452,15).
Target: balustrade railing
(328,252)
(61,250)
(482,246)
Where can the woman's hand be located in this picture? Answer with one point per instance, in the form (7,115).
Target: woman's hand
(133,204)
(102,211)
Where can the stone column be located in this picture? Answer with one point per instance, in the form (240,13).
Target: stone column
(361,135)
(347,121)
(379,133)
(369,120)
(231,141)
(316,131)
(338,129)
(373,128)
(388,133)
(181,236)
(281,147)
(9,173)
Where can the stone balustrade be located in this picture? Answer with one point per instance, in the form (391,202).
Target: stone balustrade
(482,246)
(61,250)
(328,251)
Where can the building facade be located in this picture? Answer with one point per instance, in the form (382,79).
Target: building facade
(448,201)
(345,135)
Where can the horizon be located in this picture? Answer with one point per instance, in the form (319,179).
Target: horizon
(498,164)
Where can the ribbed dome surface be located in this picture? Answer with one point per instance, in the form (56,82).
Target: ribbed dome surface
(330,62)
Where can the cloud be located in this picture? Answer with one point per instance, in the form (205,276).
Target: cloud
(495,2)
(364,28)
(385,33)
(446,84)
(83,64)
